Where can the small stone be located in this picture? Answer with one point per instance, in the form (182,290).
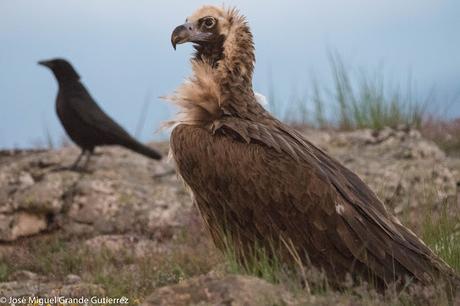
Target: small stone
(24,275)
(25,180)
(21,224)
(72,279)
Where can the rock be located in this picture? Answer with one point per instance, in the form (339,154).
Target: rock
(24,275)
(25,180)
(44,196)
(72,279)
(405,170)
(21,224)
(121,192)
(213,290)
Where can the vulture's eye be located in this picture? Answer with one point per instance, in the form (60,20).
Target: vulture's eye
(209,22)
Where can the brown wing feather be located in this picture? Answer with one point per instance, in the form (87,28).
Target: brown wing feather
(277,185)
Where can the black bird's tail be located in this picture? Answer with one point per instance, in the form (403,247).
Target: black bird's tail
(140,148)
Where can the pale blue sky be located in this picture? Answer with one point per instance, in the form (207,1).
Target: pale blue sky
(122,51)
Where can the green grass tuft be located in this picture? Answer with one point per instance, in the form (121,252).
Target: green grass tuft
(354,101)
(259,264)
(442,234)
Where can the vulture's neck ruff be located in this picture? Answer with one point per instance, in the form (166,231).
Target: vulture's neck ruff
(221,82)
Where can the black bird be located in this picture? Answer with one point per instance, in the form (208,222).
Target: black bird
(84,121)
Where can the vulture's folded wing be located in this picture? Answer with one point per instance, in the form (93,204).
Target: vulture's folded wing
(271,180)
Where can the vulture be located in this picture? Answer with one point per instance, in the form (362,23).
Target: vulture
(259,184)
(83,120)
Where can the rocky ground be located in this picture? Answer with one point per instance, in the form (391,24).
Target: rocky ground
(127,227)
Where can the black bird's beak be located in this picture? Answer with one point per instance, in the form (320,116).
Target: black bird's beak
(45,63)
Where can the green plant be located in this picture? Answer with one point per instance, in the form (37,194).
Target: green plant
(442,234)
(4,271)
(356,100)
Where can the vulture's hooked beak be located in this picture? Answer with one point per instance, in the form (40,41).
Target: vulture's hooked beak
(182,34)
(187,32)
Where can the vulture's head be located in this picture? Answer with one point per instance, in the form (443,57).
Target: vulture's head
(206,27)
(222,67)
(215,33)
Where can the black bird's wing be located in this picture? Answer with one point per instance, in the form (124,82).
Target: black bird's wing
(90,126)
(91,115)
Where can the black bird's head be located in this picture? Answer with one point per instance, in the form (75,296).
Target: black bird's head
(61,68)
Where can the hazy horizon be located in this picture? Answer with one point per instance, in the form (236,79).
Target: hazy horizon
(122,51)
